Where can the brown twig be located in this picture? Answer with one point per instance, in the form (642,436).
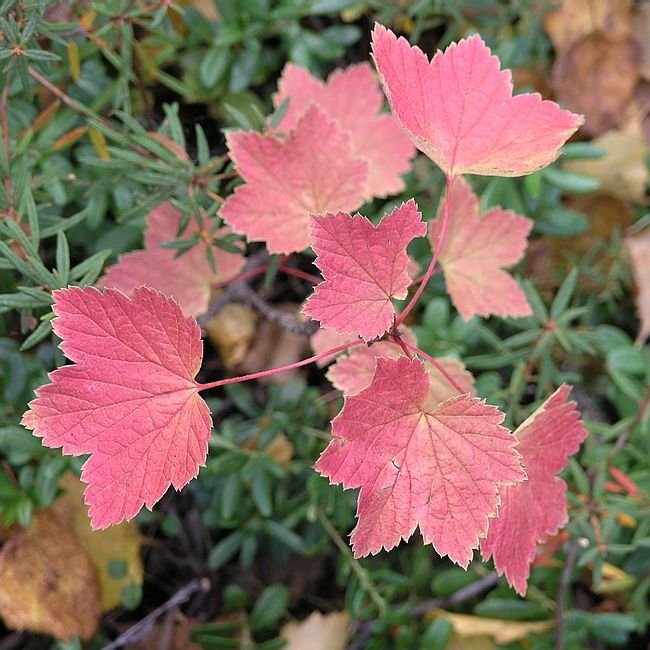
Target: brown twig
(242,293)
(460,596)
(4,125)
(143,626)
(245,295)
(562,592)
(57,92)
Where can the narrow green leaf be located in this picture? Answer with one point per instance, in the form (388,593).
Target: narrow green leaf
(270,606)
(90,264)
(62,257)
(564,294)
(41,55)
(571,181)
(279,113)
(38,274)
(225,550)
(40,333)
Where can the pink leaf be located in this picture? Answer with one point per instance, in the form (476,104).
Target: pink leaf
(533,510)
(436,467)
(325,339)
(188,279)
(311,170)
(353,372)
(131,400)
(364,267)
(475,248)
(459,110)
(352,97)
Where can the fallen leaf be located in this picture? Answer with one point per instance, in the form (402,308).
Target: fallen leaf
(459,109)
(607,215)
(572,20)
(273,347)
(171,632)
(232,330)
(130,400)
(353,98)
(318,632)
(639,247)
(48,585)
(120,543)
(623,170)
(311,170)
(502,631)
(597,76)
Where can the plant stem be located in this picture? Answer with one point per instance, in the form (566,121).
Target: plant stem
(436,254)
(431,360)
(300,274)
(562,592)
(362,574)
(266,373)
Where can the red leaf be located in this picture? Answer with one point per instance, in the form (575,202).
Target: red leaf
(325,339)
(533,510)
(352,97)
(311,170)
(418,464)
(364,267)
(475,248)
(459,110)
(354,369)
(188,279)
(131,400)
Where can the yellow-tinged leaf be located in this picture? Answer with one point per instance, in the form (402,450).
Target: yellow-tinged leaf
(502,631)
(43,118)
(639,247)
(73,60)
(279,449)
(69,138)
(625,520)
(318,632)
(622,171)
(175,148)
(613,580)
(459,642)
(116,543)
(146,60)
(48,583)
(98,140)
(87,20)
(232,331)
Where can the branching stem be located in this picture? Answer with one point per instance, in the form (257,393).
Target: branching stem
(362,574)
(274,371)
(436,254)
(438,367)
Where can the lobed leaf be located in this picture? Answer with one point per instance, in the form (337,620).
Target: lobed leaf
(475,249)
(459,110)
(130,400)
(436,466)
(311,170)
(364,267)
(536,508)
(352,97)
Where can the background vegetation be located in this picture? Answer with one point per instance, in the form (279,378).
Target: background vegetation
(259,539)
